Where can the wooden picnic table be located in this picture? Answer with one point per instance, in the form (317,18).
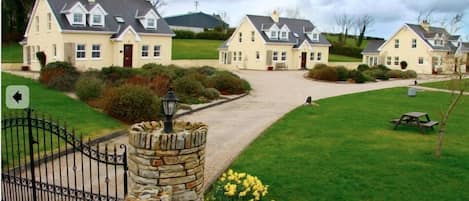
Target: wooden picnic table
(413,119)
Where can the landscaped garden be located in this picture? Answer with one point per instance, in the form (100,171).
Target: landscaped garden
(362,74)
(195,49)
(346,149)
(12,53)
(133,95)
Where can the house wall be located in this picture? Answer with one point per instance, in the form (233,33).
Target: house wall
(324,50)
(42,39)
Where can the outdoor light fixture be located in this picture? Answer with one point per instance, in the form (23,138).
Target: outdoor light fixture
(169,102)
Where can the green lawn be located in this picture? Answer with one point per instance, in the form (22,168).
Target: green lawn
(195,49)
(75,113)
(341,58)
(451,84)
(350,42)
(346,149)
(12,53)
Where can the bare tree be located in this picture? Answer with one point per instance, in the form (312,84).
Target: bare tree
(363,22)
(425,15)
(157,4)
(344,22)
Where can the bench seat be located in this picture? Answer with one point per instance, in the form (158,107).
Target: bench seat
(429,124)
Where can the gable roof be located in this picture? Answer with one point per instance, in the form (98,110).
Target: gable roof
(297,27)
(465,47)
(373,45)
(200,20)
(126,9)
(432,31)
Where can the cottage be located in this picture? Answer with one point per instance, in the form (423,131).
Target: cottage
(426,49)
(196,22)
(272,42)
(97,33)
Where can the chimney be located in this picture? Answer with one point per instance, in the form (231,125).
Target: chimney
(425,25)
(91,1)
(275,16)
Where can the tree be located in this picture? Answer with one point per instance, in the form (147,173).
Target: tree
(157,4)
(344,22)
(460,85)
(363,23)
(452,24)
(425,15)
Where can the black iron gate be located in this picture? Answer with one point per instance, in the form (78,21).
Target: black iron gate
(42,161)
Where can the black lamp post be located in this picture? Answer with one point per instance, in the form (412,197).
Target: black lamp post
(169,102)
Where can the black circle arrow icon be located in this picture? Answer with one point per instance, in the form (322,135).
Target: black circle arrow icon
(17,96)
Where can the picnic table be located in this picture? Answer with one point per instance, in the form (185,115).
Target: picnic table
(413,119)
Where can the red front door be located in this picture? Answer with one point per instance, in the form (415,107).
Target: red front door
(128,56)
(303,60)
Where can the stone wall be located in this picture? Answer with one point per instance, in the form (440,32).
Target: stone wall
(167,166)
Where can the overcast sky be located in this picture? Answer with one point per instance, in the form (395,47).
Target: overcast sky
(389,14)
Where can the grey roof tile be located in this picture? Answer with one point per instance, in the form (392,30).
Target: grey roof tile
(200,20)
(373,45)
(425,35)
(122,8)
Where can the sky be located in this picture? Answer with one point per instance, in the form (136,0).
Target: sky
(389,15)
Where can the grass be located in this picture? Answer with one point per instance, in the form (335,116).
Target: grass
(341,58)
(346,149)
(450,84)
(195,49)
(78,115)
(12,53)
(350,42)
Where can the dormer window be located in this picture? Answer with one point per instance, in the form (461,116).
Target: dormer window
(97,16)
(283,35)
(76,14)
(151,23)
(78,18)
(315,36)
(273,34)
(97,19)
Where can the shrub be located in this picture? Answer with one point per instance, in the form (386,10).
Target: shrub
(138,80)
(55,69)
(383,67)
(321,73)
(132,103)
(65,82)
(41,56)
(236,186)
(363,67)
(342,73)
(153,69)
(226,83)
(188,86)
(206,70)
(195,75)
(58,65)
(341,49)
(403,65)
(394,74)
(320,66)
(184,34)
(211,35)
(114,74)
(211,93)
(358,76)
(380,75)
(88,88)
(410,74)
(160,85)
(246,85)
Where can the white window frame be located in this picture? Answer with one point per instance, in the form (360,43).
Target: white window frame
(149,26)
(145,51)
(414,43)
(389,60)
(275,56)
(420,60)
(273,34)
(319,56)
(49,21)
(396,61)
(98,51)
(396,43)
(283,35)
(315,36)
(78,51)
(100,22)
(283,56)
(311,56)
(82,20)
(157,51)
(234,56)
(258,55)
(240,56)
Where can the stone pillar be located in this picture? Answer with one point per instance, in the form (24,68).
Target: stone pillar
(167,166)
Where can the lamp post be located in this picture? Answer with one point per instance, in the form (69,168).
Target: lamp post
(169,102)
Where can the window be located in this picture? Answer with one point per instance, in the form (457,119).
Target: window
(396,61)
(388,60)
(284,35)
(77,18)
(315,36)
(414,43)
(80,51)
(234,56)
(311,56)
(49,21)
(156,51)
(275,56)
(97,20)
(284,56)
(396,43)
(420,60)
(258,55)
(144,50)
(240,37)
(151,24)
(319,56)
(273,34)
(240,57)
(96,51)
(37,23)
(252,36)
(54,50)
(33,52)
